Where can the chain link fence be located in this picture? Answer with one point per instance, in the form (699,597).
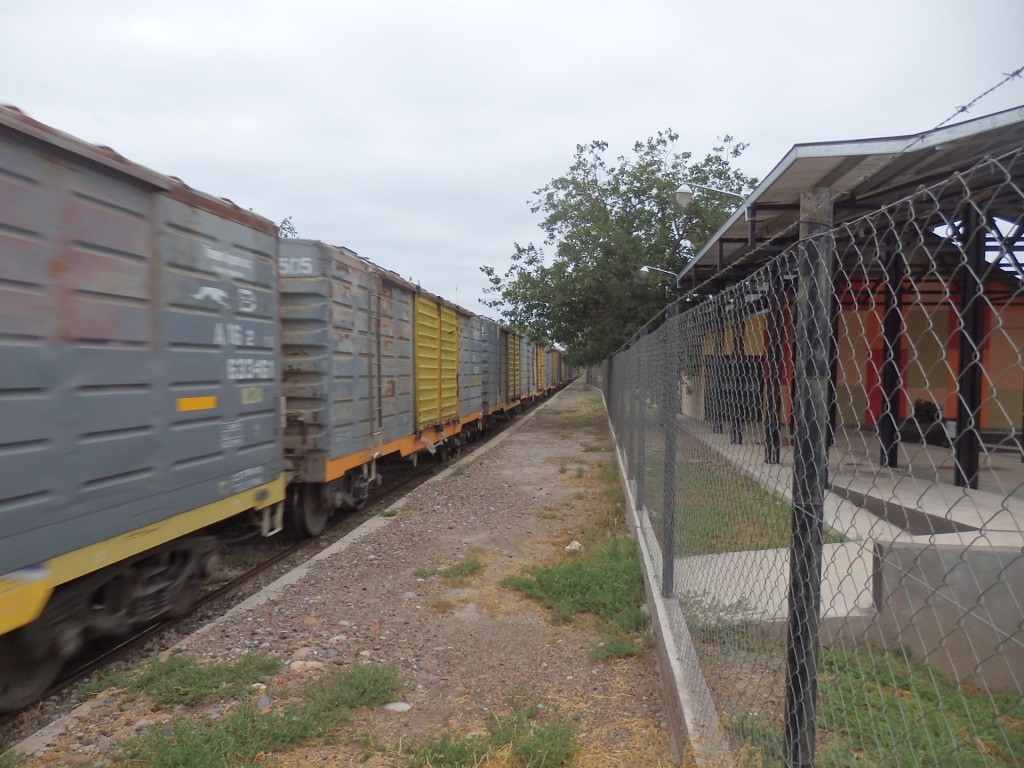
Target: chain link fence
(826,457)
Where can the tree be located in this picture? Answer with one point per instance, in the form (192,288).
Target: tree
(286,228)
(604,220)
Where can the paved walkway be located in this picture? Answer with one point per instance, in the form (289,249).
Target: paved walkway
(915,504)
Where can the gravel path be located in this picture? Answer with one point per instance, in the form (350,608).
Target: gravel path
(466,648)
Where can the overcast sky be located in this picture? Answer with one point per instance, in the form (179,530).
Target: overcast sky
(415,132)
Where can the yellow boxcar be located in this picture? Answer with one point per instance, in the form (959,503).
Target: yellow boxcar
(436,342)
(513,368)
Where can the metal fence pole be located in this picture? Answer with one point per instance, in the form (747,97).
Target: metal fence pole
(640,353)
(670,409)
(810,471)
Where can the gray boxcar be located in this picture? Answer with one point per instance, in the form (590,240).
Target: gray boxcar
(347,375)
(528,368)
(490,363)
(138,387)
(471,380)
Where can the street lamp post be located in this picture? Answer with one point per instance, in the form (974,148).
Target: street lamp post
(646,270)
(684,194)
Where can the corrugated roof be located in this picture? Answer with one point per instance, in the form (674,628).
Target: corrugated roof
(864,174)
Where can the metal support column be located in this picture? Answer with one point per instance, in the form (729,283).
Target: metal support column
(775,327)
(718,324)
(640,352)
(967,444)
(892,339)
(810,472)
(833,361)
(737,403)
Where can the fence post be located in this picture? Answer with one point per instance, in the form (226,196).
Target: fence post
(670,409)
(639,350)
(810,471)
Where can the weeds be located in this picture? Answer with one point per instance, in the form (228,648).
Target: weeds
(462,570)
(244,736)
(606,582)
(182,680)
(448,751)
(110,677)
(531,742)
(394,511)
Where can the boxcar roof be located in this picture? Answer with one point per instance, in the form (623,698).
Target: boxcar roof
(15,123)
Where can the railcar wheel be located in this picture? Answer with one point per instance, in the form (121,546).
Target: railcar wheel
(24,676)
(308,511)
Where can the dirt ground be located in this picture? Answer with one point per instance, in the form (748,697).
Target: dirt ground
(465,649)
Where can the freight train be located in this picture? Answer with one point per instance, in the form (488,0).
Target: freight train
(168,362)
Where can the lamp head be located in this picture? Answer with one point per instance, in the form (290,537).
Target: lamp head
(684,196)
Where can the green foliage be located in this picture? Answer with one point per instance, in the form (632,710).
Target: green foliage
(182,680)
(602,221)
(606,581)
(12,759)
(448,752)
(531,742)
(286,228)
(889,710)
(546,746)
(244,736)
(360,685)
(111,677)
(462,570)
(881,708)
(722,510)
(240,739)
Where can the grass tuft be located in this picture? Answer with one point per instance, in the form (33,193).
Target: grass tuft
(244,736)
(182,680)
(522,733)
(606,581)
(462,570)
(447,751)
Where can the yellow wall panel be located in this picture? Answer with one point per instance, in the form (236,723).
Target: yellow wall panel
(427,340)
(448,364)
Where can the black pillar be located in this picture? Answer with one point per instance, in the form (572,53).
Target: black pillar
(892,339)
(775,325)
(968,381)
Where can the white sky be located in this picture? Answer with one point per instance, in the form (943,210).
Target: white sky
(416,132)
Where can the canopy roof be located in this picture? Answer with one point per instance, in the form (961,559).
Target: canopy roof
(866,175)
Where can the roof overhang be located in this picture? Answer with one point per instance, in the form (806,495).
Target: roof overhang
(864,175)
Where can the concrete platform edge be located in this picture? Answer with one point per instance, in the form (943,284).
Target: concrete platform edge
(693,732)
